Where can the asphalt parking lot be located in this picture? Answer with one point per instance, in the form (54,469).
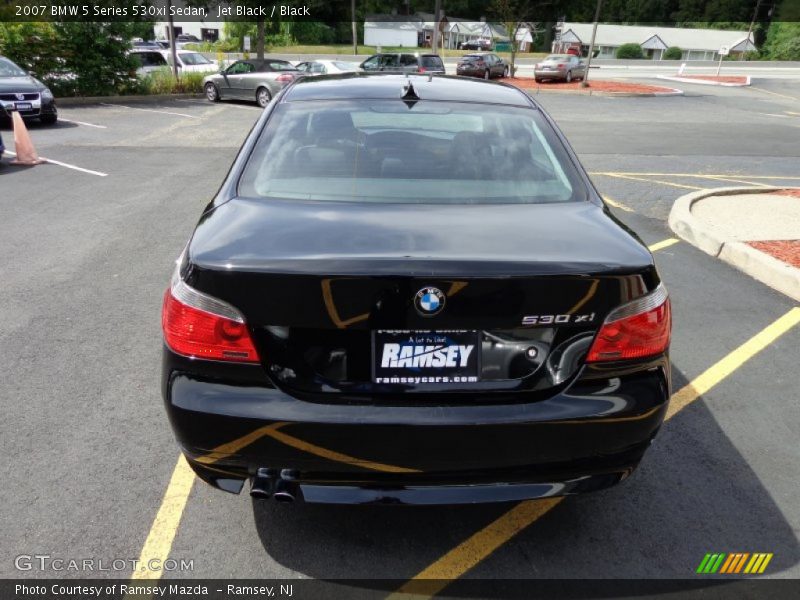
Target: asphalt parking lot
(88,247)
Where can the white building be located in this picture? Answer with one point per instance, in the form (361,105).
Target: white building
(696,44)
(393,30)
(207,31)
(415,31)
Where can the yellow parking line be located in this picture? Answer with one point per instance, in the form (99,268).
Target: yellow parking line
(650,180)
(663,244)
(732,180)
(719,371)
(162,532)
(774,93)
(617,204)
(473,550)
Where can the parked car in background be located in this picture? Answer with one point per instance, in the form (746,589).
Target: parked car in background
(190,61)
(252,79)
(148,60)
(2,147)
(21,91)
(481,44)
(560,66)
(398,62)
(140,44)
(482,64)
(326,67)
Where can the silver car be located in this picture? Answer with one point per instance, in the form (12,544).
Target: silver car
(560,66)
(251,79)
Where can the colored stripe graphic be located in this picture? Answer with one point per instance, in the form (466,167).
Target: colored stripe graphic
(727,564)
(734,563)
(711,563)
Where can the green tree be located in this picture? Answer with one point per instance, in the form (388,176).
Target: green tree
(95,56)
(673,53)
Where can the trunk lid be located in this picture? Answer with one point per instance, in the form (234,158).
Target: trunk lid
(323,286)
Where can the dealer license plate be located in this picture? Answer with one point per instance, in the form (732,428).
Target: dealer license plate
(425,357)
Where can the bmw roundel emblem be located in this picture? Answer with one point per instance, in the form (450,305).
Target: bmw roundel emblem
(429,301)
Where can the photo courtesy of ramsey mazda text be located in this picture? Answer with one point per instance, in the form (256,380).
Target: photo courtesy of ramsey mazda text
(432,286)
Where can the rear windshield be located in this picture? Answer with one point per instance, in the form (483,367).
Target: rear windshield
(432,62)
(428,152)
(280,65)
(471,57)
(190,58)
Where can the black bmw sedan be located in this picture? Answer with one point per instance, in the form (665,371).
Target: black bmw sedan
(21,92)
(398,296)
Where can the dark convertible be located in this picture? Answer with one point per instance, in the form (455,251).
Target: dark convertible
(401,297)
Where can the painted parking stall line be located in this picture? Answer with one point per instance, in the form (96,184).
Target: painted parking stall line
(151,110)
(162,533)
(663,244)
(84,123)
(67,166)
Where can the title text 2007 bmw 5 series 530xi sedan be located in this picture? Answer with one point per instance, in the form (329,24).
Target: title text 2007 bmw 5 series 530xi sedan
(399,296)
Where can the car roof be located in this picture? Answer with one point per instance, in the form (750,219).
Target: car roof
(379,86)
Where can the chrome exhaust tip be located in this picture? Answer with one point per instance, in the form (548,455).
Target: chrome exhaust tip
(263,484)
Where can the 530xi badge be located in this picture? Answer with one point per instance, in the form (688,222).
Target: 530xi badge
(557,319)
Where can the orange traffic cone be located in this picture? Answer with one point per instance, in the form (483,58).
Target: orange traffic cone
(23,146)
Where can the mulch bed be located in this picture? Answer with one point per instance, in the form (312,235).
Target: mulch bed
(793,193)
(595,85)
(716,78)
(786,250)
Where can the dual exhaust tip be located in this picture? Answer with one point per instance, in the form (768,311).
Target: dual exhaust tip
(272,483)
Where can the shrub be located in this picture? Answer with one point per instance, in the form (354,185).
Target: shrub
(163,82)
(781,43)
(786,50)
(74,58)
(630,51)
(673,53)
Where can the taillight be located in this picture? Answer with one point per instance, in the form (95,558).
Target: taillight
(422,69)
(284,78)
(561,65)
(635,330)
(200,326)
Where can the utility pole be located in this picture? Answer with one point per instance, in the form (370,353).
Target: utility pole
(750,31)
(355,28)
(437,15)
(172,50)
(585,80)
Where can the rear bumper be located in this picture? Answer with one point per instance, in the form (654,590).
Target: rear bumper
(549,74)
(591,435)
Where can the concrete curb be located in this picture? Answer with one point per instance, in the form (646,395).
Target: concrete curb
(590,92)
(703,81)
(761,266)
(83,101)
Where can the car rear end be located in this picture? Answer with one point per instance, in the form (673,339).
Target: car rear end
(431,64)
(415,348)
(471,65)
(552,68)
